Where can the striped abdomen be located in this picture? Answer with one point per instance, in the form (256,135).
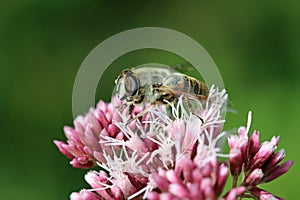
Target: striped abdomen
(182,84)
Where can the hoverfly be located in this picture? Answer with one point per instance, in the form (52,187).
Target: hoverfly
(157,85)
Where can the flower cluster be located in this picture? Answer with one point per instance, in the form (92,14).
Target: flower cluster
(257,162)
(168,152)
(191,181)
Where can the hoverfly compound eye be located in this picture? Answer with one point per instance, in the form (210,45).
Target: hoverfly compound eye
(131,83)
(120,82)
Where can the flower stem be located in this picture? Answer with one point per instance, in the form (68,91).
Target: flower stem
(234,182)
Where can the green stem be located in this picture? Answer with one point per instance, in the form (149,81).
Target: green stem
(234,182)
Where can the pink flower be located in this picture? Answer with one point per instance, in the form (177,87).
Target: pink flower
(168,152)
(191,182)
(83,147)
(257,161)
(263,195)
(84,195)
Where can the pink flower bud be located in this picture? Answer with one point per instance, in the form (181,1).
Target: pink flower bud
(274,160)
(75,196)
(266,149)
(263,195)
(254,177)
(235,192)
(60,144)
(173,177)
(186,166)
(278,171)
(275,140)
(194,190)
(99,156)
(112,130)
(222,177)
(178,190)
(161,182)
(98,181)
(82,162)
(207,189)
(166,196)
(239,142)
(153,196)
(236,161)
(242,131)
(101,118)
(254,144)
(84,195)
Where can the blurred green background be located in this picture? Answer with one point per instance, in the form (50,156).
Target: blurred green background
(256,46)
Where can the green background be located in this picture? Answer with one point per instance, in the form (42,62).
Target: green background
(256,46)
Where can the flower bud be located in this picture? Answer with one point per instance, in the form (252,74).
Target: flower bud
(254,177)
(84,195)
(266,149)
(235,192)
(222,177)
(263,195)
(274,160)
(254,144)
(236,162)
(278,171)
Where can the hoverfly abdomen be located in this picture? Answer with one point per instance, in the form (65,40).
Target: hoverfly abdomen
(202,90)
(183,85)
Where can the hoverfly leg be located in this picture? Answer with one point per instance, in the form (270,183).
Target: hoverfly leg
(189,105)
(130,109)
(202,121)
(192,110)
(121,107)
(140,114)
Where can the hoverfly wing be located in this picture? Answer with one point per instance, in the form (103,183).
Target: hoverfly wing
(183,67)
